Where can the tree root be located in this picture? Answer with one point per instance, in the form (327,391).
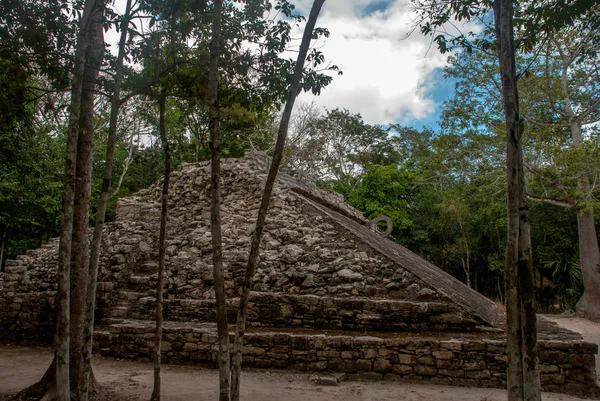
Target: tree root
(40,389)
(45,388)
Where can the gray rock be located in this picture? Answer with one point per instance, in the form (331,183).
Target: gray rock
(349,275)
(322,380)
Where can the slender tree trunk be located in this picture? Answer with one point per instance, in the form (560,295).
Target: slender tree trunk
(215,206)
(85,365)
(466,269)
(80,256)
(521,344)
(466,261)
(531,374)
(61,343)
(589,260)
(2,249)
(589,252)
(160,285)
(126,165)
(264,204)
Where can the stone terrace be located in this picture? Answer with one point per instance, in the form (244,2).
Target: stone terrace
(330,294)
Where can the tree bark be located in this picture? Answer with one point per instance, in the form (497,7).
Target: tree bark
(264,204)
(531,374)
(85,364)
(589,252)
(61,343)
(523,375)
(589,260)
(160,285)
(80,256)
(215,206)
(2,250)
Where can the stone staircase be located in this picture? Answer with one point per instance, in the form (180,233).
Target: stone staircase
(425,340)
(140,284)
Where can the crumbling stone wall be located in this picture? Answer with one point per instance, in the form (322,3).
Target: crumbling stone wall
(27,290)
(566,362)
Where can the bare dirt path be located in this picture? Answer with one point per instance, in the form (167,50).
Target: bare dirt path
(21,366)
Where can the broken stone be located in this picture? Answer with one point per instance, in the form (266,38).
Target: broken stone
(322,380)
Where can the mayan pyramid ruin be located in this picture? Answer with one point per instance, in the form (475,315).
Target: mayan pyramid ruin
(330,294)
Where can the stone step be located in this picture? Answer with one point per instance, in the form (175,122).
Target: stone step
(108,321)
(131,296)
(146,267)
(310,311)
(141,282)
(460,359)
(119,311)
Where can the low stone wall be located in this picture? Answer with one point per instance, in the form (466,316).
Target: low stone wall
(462,360)
(329,313)
(27,288)
(27,318)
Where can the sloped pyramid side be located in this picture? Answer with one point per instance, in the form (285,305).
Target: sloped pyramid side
(313,244)
(446,285)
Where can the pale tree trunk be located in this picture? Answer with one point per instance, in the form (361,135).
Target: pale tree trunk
(467,270)
(589,252)
(521,343)
(589,260)
(264,204)
(85,365)
(80,255)
(466,261)
(160,285)
(215,206)
(126,165)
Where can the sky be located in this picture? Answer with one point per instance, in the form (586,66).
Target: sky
(388,76)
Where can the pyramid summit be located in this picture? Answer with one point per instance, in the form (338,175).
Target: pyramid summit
(329,294)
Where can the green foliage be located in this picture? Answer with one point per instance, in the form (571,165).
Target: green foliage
(534,21)
(30,177)
(555,247)
(38,36)
(385,190)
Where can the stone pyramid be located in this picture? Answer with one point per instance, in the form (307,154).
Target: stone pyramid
(330,294)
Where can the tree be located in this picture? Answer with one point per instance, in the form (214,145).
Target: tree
(336,146)
(573,97)
(385,190)
(561,152)
(80,250)
(160,284)
(29,164)
(63,329)
(535,19)
(523,374)
(215,207)
(90,304)
(294,90)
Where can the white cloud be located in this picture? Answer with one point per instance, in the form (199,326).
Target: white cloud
(384,72)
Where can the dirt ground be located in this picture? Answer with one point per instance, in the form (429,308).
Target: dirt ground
(21,366)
